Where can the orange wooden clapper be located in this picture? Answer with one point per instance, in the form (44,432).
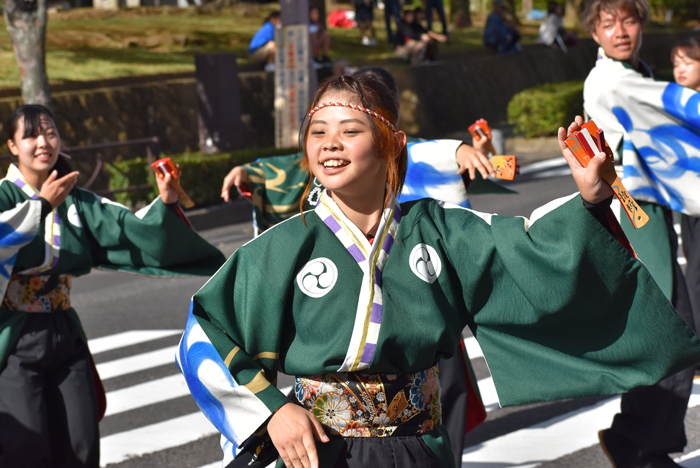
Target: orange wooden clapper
(165,166)
(506,167)
(588,142)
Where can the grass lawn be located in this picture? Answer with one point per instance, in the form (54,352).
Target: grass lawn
(87,44)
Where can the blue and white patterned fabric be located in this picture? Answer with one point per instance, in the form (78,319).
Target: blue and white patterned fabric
(18,227)
(219,396)
(658,125)
(432,173)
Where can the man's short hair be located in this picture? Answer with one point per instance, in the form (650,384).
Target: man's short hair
(591,14)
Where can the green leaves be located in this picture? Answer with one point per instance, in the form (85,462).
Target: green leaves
(541,110)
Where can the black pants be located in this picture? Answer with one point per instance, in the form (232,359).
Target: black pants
(48,407)
(690,232)
(652,417)
(453,398)
(440,7)
(391,8)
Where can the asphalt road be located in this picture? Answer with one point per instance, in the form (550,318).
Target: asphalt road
(164,430)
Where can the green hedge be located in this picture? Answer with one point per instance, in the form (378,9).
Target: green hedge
(202,175)
(542,110)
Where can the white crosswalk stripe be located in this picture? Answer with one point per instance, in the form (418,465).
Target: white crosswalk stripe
(524,448)
(145,394)
(137,363)
(122,340)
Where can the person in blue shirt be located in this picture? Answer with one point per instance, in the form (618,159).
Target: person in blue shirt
(262,46)
(499,35)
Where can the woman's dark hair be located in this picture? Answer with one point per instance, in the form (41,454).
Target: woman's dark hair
(689,47)
(384,77)
(274,14)
(31,114)
(552,7)
(371,93)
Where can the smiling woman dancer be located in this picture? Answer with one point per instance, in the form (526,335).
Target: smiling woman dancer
(359,298)
(51,230)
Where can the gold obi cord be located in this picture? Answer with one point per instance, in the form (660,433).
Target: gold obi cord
(373,405)
(47,293)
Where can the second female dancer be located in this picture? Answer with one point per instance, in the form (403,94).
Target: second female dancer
(50,231)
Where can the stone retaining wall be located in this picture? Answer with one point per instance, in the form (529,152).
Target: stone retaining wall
(436,99)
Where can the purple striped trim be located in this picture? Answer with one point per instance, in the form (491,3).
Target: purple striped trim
(332,224)
(376,316)
(377,276)
(377,309)
(388,242)
(368,353)
(356,254)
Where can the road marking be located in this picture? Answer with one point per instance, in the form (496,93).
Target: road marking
(560,172)
(164,435)
(690,460)
(473,348)
(544,165)
(139,362)
(148,393)
(533,446)
(122,340)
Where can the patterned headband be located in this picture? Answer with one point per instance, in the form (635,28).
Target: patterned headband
(352,106)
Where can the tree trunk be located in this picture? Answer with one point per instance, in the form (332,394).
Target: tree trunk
(26,24)
(461,15)
(527,6)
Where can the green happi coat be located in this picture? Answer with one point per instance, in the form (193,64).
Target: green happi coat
(88,231)
(558,306)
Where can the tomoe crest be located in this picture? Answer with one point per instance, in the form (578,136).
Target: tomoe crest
(318,277)
(425,263)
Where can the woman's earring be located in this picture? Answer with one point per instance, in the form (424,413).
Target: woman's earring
(315,194)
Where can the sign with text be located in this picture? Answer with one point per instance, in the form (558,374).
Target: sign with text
(291,83)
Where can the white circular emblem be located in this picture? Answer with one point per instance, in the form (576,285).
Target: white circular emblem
(425,263)
(74,217)
(318,277)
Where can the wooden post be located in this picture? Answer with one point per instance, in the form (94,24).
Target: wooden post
(292,92)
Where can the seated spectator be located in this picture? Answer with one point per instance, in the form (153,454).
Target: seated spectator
(320,37)
(262,46)
(413,41)
(499,33)
(364,15)
(552,32)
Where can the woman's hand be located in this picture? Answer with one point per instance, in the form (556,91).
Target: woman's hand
(56,190)
(292,430)
(592,187)
(236,177)
(472,160)
(167,193)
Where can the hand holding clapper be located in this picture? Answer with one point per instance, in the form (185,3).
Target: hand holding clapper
(505,166)
(588,142)
(166,166)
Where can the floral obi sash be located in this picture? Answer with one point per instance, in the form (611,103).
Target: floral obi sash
(373,405)
(39,293)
